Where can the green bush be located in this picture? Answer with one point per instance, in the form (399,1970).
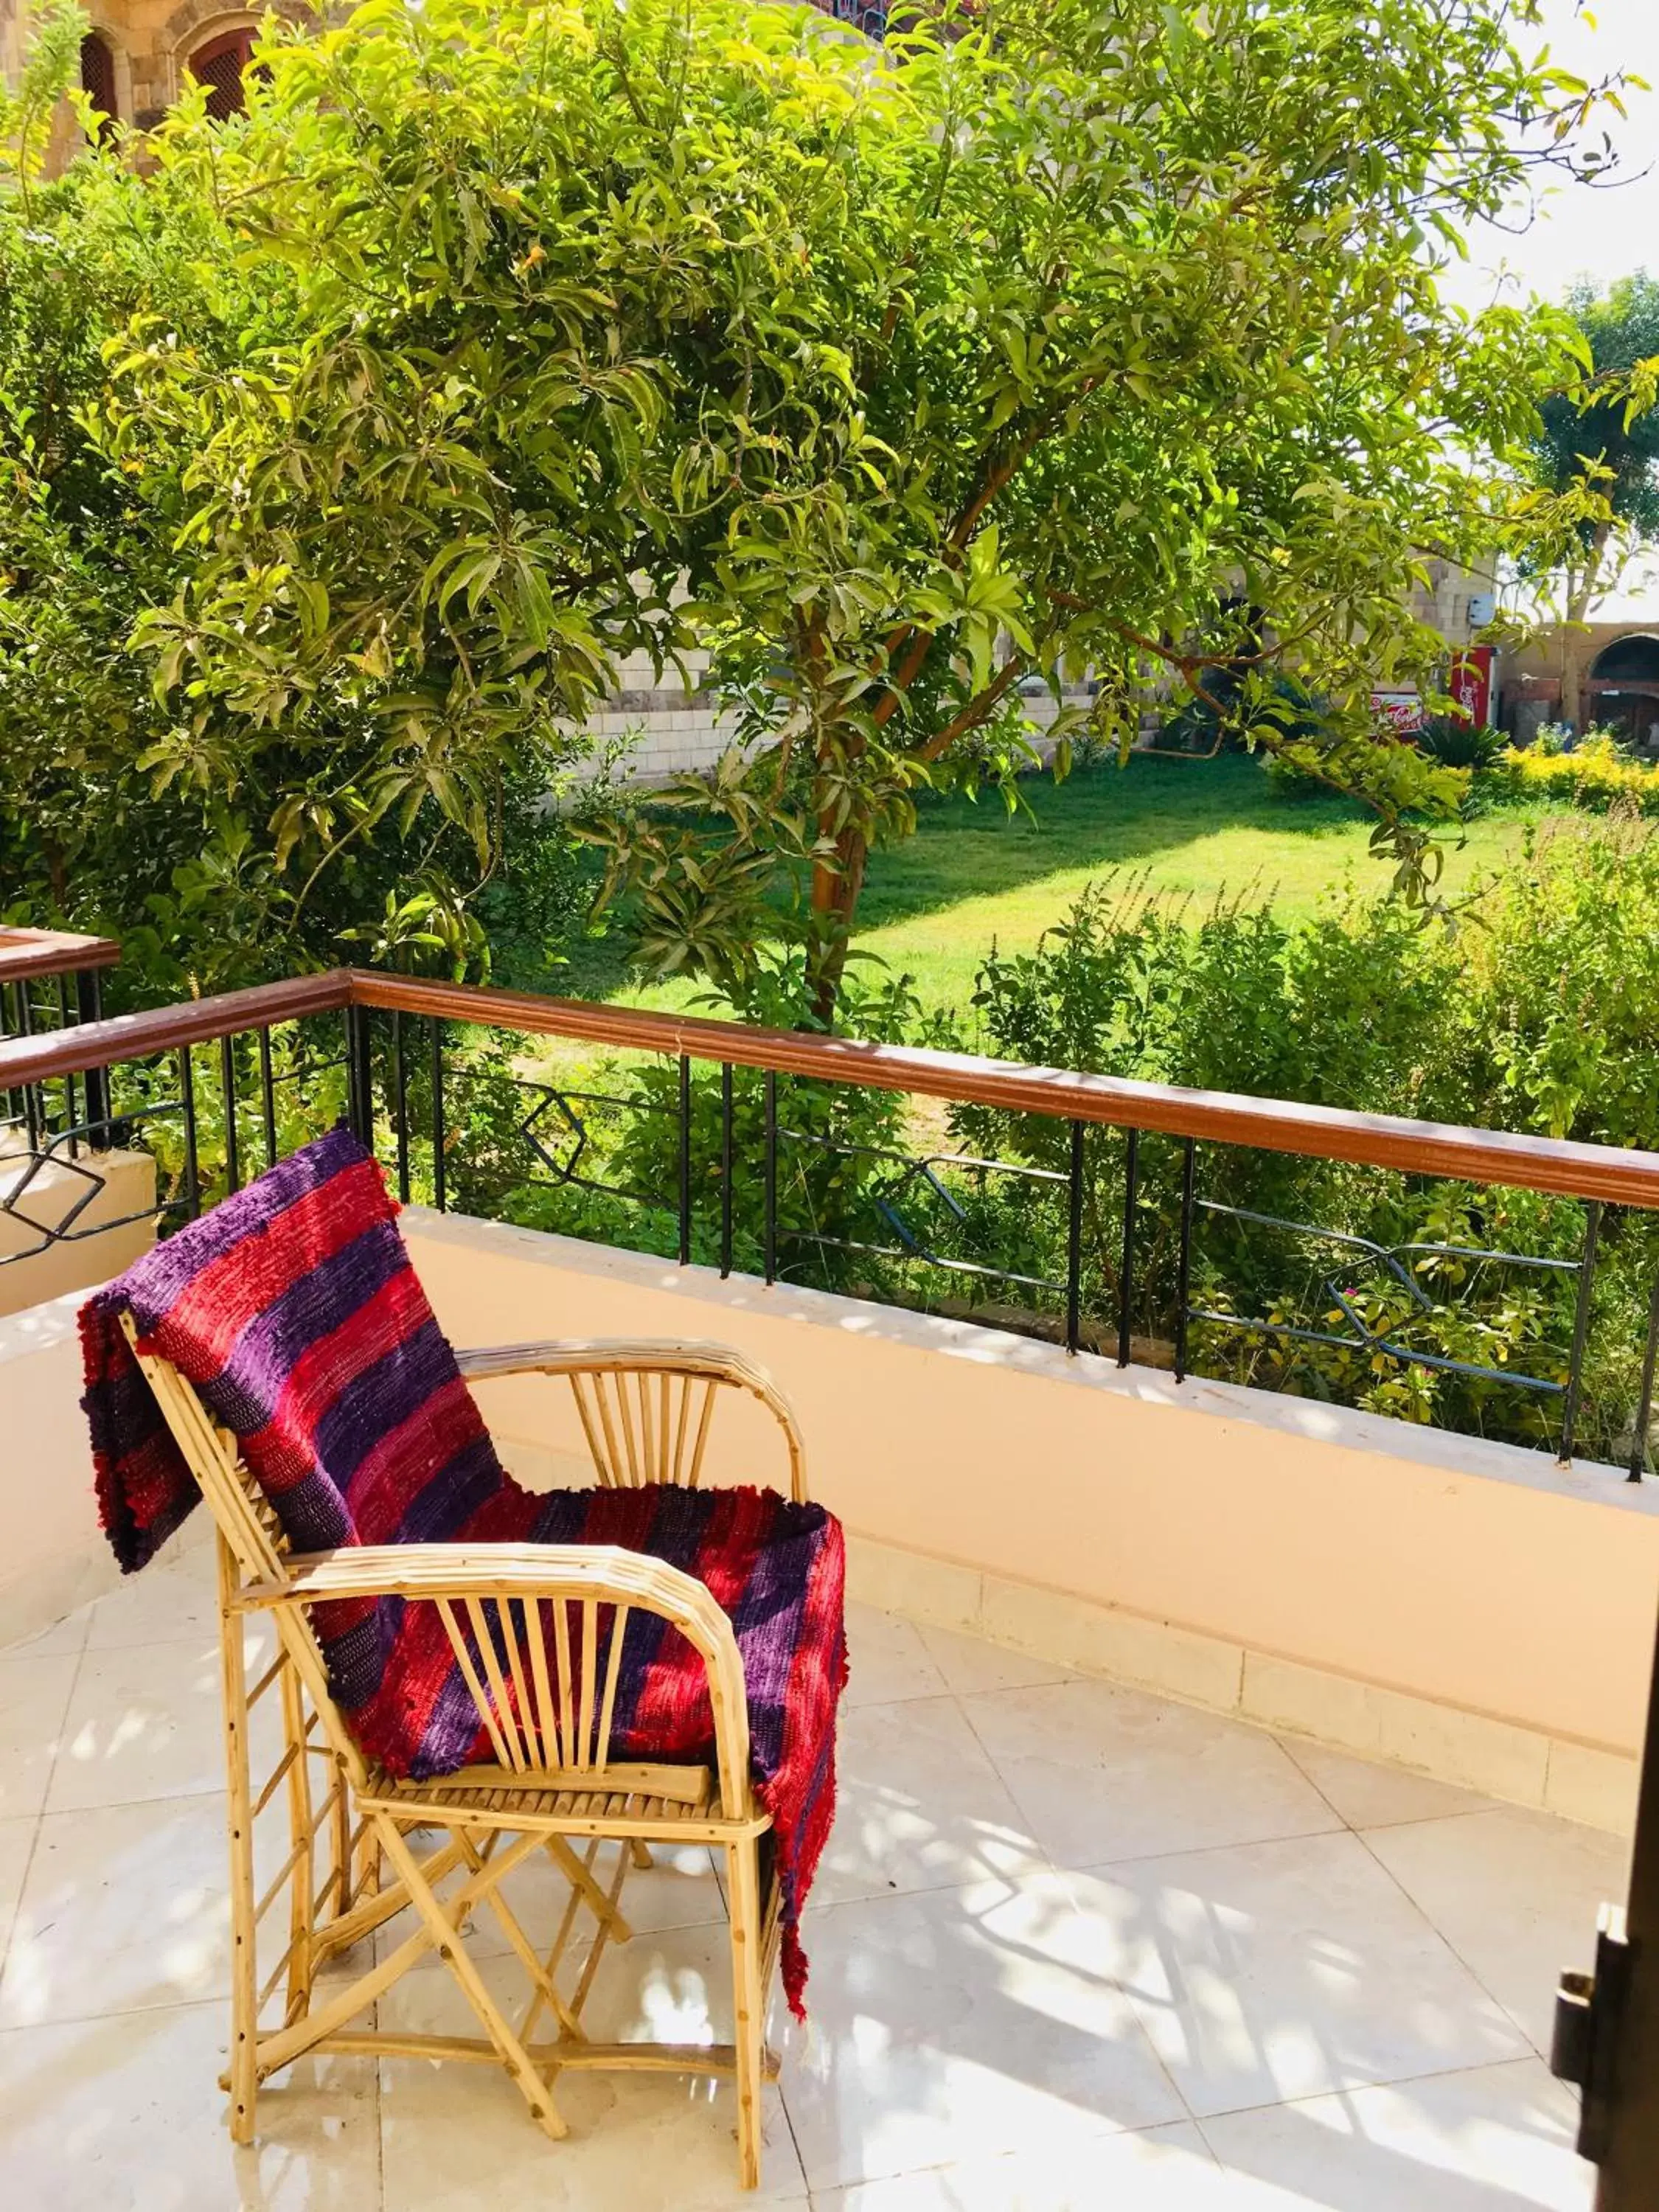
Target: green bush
(1537,1014)
(1597,777)
(1456,741)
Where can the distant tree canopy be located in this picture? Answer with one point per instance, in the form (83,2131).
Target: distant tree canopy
(1592,438)
(347,449)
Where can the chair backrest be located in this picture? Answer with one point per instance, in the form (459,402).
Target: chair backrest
(253,1548)
(541,1636)
(646,1409)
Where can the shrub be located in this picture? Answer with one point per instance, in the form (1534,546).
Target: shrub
(1598,775)
(1537,1014)
(1456,743)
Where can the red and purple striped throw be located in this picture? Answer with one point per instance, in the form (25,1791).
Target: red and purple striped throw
(293,1309)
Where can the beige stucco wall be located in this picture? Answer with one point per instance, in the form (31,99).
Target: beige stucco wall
(1478,1577)
(108,1233)
(1466,1609)
(53,1556)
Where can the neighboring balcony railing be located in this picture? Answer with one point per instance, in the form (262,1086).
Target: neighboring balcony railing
(49,980)
(1112,1217)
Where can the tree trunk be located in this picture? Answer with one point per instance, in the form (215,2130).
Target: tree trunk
(1571,669)
(836,888)
(1582,590)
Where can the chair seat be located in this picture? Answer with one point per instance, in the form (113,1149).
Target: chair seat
(616,1800)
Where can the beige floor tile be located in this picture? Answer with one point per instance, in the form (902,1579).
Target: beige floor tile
(1514,1894)
(919,1806)
(1367,1794)
(887,1659)
(637,2143)
(176,1604)
(123,1908)
(948,2026)
(146,1722)
(1267,1970)
(969,1664)
(1158,2170)
(1497,2140)
(679,1891)
(16,1841)
(674,1986)
(35,1695)
(1102,1772)
(65,1637)
(125,2116)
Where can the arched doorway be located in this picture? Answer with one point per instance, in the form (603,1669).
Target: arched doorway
(1623,689)
(98,79)
(220,65)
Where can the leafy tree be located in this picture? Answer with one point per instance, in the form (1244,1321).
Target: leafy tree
(326,503)
(1064,336)
(1595,440)
(1087,337)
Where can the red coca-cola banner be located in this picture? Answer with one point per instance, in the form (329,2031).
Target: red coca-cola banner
(1470,684)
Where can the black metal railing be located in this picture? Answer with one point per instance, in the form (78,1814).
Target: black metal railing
(1114,1218)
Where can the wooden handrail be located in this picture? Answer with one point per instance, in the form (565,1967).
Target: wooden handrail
(51,953)
(1274,1125)
(1618,1176)
(166,1028)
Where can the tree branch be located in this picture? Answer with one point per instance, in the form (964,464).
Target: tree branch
(975,711)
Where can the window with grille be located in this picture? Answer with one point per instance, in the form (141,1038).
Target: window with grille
(219,65)
(98,78)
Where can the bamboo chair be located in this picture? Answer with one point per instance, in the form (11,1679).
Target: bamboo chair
(545,1700)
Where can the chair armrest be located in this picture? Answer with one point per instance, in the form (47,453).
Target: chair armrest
(718,1363)
(604,1573)
(483,1579)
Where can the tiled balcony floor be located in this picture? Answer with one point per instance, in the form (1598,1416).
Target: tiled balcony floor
(1073,1947)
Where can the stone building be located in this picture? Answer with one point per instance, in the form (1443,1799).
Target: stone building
(1617,668)
(138,53)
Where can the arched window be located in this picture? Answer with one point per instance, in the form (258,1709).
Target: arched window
(219,65)
(98,79)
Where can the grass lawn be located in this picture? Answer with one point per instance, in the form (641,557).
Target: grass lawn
(1197,829)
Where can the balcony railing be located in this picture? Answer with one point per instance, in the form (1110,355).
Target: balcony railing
(1112,1216)
(49,981)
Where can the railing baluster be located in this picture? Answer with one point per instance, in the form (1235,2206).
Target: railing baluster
(69,1080)
(1639,1456)
(685,1160)
(268,1096)
(5,1032)
(1125,1273)
(771,1177)
(400,1103)
(439,1195)
(89,1007)
(187,1108)
(360,1076)
(726,1168)
(228,1087)
(1074,1241)
(32,1094)
(1183,1286)
(1580,1328)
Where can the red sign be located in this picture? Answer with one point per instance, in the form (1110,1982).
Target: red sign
(1470,684)
(1402,710)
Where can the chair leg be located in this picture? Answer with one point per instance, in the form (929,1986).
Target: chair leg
(514,2055)
(244,1968)
(639,1851)
(743,1881)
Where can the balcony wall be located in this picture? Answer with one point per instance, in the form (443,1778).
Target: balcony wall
(53,1556)
(107,1233)
(1467,1610)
